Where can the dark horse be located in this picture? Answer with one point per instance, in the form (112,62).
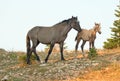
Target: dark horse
(50,35)
(87,35)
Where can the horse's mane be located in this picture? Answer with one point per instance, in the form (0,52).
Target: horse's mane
(67,21)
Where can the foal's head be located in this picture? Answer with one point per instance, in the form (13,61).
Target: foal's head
(75,24)
(97,28)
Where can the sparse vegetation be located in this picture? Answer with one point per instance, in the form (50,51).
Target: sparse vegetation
(92,53)
(23,58)
(13,68)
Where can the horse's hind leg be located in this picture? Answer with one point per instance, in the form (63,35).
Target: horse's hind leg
(33,49)
(37,57)
(50,50)
(35,44)
(28,56)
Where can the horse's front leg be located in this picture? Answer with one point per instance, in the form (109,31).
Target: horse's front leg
(28,56)
(61,50)
(76,46)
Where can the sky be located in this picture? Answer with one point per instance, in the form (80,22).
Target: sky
(17,17)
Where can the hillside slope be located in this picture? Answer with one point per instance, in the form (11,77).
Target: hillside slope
(105,67)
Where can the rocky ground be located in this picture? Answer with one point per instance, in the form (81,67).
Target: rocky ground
(13,67)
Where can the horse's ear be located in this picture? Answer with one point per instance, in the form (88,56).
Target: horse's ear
(76,17)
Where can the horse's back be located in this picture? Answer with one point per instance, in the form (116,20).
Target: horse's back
(33,32)
(42,34)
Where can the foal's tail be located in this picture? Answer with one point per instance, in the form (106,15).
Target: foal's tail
(28,45)
(75,38)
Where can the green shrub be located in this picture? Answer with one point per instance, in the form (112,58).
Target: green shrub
(23,58)
(92,53)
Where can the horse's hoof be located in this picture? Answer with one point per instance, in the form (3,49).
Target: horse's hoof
(45,60)
(28,63)
(63,59)
(38,59)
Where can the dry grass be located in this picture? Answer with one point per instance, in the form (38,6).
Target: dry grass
(110,73)
(108,51)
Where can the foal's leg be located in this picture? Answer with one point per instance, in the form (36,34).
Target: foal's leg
(93,44)
(50,50)
(90,43)
(82,46)
(61,50)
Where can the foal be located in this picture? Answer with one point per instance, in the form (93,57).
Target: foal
(87,35)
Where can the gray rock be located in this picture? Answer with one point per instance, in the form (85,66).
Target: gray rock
(5,78)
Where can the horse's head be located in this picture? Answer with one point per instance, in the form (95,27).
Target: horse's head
(97,28)
(75,24)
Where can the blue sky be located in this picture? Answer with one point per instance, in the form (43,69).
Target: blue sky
(19,16)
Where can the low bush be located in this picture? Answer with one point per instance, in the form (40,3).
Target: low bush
(23,58)
(92,53)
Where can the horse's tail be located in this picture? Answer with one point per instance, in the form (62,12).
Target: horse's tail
(28,45)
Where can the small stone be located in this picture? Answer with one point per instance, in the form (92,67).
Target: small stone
(43,64)
(5,78)
(21,74)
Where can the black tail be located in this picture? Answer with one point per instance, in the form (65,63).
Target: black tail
(28,45)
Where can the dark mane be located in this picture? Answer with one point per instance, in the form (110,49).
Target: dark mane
(67,21)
